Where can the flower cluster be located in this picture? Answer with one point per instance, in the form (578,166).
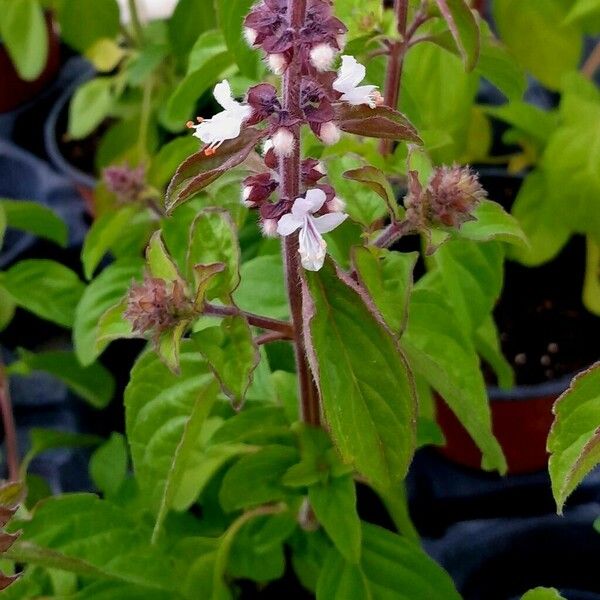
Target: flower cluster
(312,49)
(449,200)
(155,305)
(128,184)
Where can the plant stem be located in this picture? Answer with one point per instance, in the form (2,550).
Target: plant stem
(10,430)
(397,53)
(145,115)
(289,169)
(272,336)
(135,22)
(282,327)
(392,233)
(592,64)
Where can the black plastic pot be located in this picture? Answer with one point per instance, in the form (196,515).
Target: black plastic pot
(26,177)
(52,129)
(502,559)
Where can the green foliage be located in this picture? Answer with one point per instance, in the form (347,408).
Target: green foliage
(91,104)
(378,394)
(573,442)
(391,566)
(541,593)
(34,218)
(45,288)
(25,35)
(108,465)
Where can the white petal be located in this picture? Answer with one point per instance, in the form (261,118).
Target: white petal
(313,201)
(350,74)
(329,222)
(312,246)
(223,126)
(361,95)
(288,224)
(223,95)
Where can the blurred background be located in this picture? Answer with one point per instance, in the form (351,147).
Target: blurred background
(88,84)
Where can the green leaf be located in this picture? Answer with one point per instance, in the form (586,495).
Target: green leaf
(213,239)
(82,534)
(440,350)
(183,31)
(537,35)
(487,342)
(388,277)
(103,234)
(182,102)
(114,326)
(164,415)
(200,169)
(464,28)
(91,104)
(233,356)
(262,287)
(472,276)
(574,440)
(101,294)
(591,286)
(230,16)
(7,308)
(586,14)
(544,228)
(160,264)
(165,163)
(25,36)
(536,123)
(364,205)
(83,22)
(493,223)
(377,181)
(569,164)
(256,478)
(541,593)
(391,566)
(43,440)
(368,405)
(93,383)
(334,503)
(46,288)
(499,67)
(35,218)
(108,465)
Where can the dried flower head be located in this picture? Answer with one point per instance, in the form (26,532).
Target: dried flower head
(125,182)
(155,305)
(454,192)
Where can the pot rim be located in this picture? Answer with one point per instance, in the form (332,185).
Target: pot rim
(529,392)
(50,128)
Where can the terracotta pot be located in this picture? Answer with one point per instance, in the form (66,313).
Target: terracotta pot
(521,421)
(16,91)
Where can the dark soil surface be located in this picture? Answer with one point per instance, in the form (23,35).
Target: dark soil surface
(546,332)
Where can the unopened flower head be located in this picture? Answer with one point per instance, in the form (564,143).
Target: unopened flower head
(330,133)
(155,305)
(126,183)
(225,125)
(277,63)
(350,75)
(322,56)
(283,142)
(312,246)
(269,227)
(454,193)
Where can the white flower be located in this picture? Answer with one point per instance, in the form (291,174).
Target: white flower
(225,125)
(246,191)
(321,57)
(330,133)
(350,74)
(312,245)
(283,142)
(277,63)
(336,205)
(250,35)
(269,227)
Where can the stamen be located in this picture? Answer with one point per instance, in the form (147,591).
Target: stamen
(190,125)
(210,151)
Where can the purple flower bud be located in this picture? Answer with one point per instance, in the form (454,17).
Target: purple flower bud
(126,183)
(257,188)
(312,172)
(262,98)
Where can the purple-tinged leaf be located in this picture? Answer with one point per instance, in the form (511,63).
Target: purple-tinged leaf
(574,440)
(377,181)
(381,122)
(464,27)
(202,168)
